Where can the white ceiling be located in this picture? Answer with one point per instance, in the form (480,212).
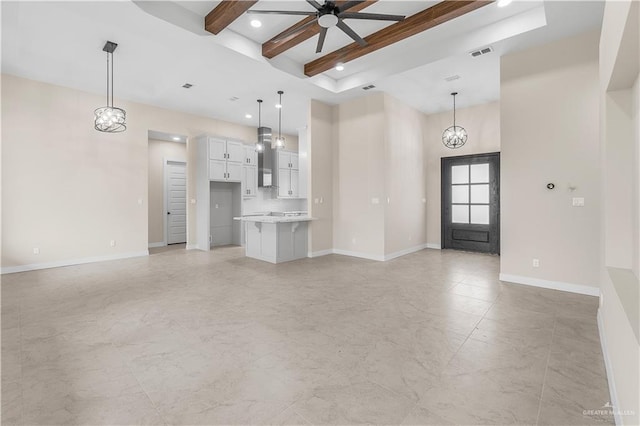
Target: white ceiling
(162,45)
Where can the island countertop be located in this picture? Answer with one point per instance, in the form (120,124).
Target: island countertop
(275,219)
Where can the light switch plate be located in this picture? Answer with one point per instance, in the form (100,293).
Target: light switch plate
(578,202)
(375,201)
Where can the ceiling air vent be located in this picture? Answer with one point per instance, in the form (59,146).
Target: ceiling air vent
(369,87)
(452,78)
(234,98)
(187,85)
(481,52)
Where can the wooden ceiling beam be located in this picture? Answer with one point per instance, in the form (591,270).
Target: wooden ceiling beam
(272,48)
(225,13)
(415,24)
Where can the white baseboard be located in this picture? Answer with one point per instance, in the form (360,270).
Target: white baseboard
(434,246)
(155,245)
(379,258)
(320,253)
(613,394)
(405,252)
(191,246)
(59,263)
(553,285)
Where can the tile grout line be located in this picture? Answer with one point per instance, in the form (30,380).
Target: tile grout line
(546,368)
(153,404)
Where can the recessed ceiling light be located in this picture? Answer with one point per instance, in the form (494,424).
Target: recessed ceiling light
(255,23)
(340,67)
(503,3)
(248,116)
(176,138)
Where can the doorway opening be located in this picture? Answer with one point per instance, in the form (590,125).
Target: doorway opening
(167,206)
(471,203)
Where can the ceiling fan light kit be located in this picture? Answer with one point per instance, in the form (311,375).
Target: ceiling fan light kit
(455,136)
(110,119)
(328,15)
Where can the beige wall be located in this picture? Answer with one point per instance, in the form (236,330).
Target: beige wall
(482,123)
(321,175)
(358,223)
(68,189)
(549,133)
(405,183)
(158,152)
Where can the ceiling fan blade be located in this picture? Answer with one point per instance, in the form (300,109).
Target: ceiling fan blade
(294,30)
(348,5)
(323,34)
(348,31)
(376,16)
(315,4)
(280,12)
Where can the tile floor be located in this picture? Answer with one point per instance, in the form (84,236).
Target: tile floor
(187,337)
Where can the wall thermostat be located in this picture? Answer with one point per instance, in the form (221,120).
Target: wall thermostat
(550,186)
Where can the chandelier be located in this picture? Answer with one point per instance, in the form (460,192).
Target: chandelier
(455,136)
(108,118)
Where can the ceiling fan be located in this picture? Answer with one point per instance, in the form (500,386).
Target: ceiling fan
(329,15)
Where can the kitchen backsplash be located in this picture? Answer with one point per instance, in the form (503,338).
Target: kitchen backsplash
(266,201)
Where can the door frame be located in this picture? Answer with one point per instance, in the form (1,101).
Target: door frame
(165,198)
(444,188)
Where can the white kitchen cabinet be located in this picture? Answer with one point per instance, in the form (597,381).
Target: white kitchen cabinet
(217,149)
(250,156)
(219,173)
(235,152)
(295,178)
(249,181)
(287,160)
(221,149)
(217,170)
(288,174)
(225,171)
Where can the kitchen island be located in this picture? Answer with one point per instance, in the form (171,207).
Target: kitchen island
(275,239)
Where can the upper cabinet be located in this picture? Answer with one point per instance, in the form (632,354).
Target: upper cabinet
(288,174)
(220,149)
(250,156)
(287,160)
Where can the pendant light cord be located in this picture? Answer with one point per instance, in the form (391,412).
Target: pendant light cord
(280,118)
(111,79)
(107,78)
(454,110)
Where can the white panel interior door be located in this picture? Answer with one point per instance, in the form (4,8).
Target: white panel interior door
(176,197)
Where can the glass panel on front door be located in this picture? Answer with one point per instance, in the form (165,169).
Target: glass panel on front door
(470,194)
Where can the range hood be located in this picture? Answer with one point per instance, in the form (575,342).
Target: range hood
(266,162)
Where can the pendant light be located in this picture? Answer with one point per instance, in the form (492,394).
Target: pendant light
(259,143)
(280,139)
(455,136)
(108,118)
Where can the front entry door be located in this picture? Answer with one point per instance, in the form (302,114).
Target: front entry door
(471,203)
